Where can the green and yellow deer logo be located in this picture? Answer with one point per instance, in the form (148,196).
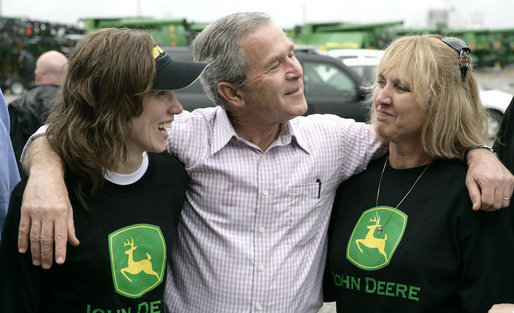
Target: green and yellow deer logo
(372,243)
(137,269)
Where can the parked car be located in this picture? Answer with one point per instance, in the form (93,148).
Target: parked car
(495,102)
(329,85)
(15,85)
(362,61)
(360,54)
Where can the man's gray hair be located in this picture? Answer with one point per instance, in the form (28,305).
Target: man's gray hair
(219,45)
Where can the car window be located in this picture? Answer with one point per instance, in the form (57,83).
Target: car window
(327,80)
(345,57)
(367,72)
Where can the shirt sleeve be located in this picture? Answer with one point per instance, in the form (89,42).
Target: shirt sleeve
(9,174)
(40,132)
(189,135)
(359,145)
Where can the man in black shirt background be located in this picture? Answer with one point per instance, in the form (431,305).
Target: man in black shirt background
(30,111)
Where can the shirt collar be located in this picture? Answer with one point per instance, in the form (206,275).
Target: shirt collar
(298,135)
(223,132)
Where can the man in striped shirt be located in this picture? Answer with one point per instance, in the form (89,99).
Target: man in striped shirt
(252,236)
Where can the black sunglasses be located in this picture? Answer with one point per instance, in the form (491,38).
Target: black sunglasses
(464,51)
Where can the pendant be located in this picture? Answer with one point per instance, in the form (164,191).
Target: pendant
(377,218)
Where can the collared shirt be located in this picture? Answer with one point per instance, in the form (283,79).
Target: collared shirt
(9,175)
(252,237)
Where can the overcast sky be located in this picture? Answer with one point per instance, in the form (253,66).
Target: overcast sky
(286,13)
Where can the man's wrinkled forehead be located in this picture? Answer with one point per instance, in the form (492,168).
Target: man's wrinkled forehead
(266,44)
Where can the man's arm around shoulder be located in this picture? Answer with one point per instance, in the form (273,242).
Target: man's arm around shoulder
(489,182)
(46,213)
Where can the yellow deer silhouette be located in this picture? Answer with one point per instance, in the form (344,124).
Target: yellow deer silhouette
(370,241)
(136,267)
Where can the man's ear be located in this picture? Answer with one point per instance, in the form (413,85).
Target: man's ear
(37,76)
(231,93)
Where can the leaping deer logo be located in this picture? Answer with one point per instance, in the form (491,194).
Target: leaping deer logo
(371,241)
(135,268)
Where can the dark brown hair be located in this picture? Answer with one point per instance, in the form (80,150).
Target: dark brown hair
(109,73)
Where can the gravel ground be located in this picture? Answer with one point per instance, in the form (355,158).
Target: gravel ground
(496,79)
(328,307)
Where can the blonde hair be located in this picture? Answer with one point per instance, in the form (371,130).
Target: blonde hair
(455,117)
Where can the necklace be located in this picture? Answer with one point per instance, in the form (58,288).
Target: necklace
(381,227)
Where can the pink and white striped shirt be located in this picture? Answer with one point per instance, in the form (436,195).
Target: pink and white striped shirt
(252,237)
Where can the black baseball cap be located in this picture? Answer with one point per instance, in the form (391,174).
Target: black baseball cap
(173,74)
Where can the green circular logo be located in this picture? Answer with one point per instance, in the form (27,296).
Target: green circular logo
(138,259)
(375,237)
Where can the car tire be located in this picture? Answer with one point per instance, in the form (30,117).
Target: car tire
(494,120)
(17,87)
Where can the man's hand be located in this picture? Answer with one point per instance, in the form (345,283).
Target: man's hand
(502,308)
(46,213)
(490,184)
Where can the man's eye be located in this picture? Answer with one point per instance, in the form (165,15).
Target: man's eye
(275,65)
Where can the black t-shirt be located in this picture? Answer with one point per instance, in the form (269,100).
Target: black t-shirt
(433,254)
(504,145)
(120,264)
(27,114)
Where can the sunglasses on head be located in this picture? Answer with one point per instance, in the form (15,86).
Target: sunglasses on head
(464,51)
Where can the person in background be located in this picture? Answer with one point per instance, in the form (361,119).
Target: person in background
(262,179)
(402,237)
(109,126)
(26,65)
(30,111)
(504,143)
(504,148)
(9,175)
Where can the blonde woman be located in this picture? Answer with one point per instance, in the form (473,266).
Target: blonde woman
(402,236)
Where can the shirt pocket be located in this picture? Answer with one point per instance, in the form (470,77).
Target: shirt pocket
(305,212)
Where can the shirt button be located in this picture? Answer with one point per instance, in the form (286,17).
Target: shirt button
(259,307)
(261,268)
(265,193)
(261,230)
(264,157)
